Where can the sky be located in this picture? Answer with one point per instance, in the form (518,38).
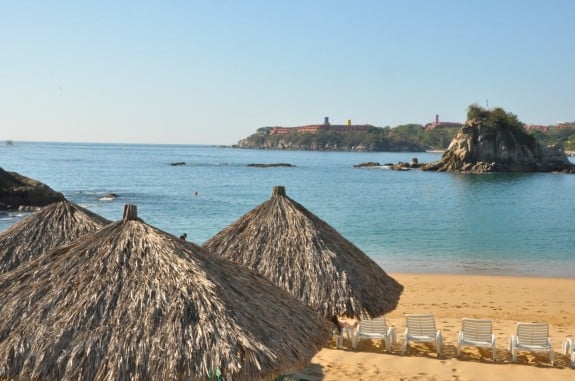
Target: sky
(214,71)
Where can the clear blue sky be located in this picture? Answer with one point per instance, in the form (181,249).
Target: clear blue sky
(212,72)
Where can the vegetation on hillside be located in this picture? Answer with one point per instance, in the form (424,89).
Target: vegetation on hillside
(498,119)
(564,135)
(413,137)
(409,137)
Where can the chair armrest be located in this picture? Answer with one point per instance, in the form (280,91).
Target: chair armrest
(392,335)
(438,335)
(568,346)
(512,342)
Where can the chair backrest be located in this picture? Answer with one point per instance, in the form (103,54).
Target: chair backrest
(476,329)
(375,325)
(420,324)
(533,333)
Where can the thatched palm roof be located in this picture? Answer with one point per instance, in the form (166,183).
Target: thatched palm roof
(296,250)
(54,225)
(131,302)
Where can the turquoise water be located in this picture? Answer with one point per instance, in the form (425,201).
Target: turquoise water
(412,221)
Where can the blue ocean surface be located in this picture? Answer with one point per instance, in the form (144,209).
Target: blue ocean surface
(407,221)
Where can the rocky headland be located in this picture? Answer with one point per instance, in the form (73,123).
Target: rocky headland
(495,141)
(23,193)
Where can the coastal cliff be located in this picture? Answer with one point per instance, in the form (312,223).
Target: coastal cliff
(374,140)
(21,192)
(495,141)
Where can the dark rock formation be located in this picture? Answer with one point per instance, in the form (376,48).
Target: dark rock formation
(20,192)
(271,165)
(317,142)
(480,147)
(400,166)
(368,164)
(109,197)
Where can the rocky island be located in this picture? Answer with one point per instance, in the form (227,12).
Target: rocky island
(495,141)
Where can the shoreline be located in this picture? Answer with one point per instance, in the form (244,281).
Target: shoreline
(554,269)
(505,300)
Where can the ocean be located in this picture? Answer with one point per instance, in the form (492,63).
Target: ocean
(520,224)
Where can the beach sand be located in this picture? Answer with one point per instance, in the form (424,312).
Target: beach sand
(504,300)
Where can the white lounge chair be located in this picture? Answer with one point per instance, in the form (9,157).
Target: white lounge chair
(533,337)
(375,328)
(421,328)
(476,333)
(569,349)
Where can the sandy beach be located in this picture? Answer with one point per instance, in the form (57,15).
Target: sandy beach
(504,300)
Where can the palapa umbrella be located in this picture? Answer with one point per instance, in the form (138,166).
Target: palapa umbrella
(131,302)
(296,250)
(54,225)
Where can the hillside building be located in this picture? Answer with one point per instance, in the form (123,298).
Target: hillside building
(326,126)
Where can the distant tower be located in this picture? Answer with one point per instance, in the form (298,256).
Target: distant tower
(436,119)
(326,121)
(349,122)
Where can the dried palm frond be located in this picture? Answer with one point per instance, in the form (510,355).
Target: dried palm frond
(283,241)
(131,302)
(54,225)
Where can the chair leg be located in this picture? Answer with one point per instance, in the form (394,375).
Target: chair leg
(438,344)
(392,335)
(569,350)
(512,349)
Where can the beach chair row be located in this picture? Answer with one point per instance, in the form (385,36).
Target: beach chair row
(532,337)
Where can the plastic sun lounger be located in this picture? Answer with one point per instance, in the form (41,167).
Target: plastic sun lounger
(476,333)
(533,337)
(421,328)
(339,334)
(375,328)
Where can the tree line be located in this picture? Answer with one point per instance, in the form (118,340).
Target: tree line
(408,137)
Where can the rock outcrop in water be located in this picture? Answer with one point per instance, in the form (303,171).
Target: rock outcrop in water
(495,141)
(20,192)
